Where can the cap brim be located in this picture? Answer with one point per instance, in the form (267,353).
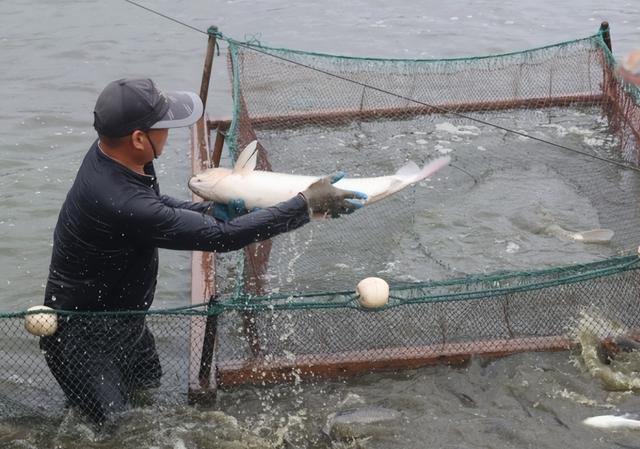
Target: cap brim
(185,108)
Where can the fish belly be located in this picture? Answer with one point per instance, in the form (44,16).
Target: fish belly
(260,189)
(264,189)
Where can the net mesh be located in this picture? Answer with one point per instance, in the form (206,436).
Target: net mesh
(481,258)
(316,114)
(504,206)
(283,338)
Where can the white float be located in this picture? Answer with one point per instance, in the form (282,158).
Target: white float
(41,324)
(372,292)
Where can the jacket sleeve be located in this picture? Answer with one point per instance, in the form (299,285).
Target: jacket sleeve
(150,221)
(205,207)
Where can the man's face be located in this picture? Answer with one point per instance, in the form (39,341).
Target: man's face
(157,138)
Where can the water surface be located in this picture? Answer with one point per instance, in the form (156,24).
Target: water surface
(57,56)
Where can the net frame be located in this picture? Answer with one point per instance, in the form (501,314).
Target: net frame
(619,102)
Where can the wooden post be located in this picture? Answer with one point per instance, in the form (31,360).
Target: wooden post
(202,370)
(606,35)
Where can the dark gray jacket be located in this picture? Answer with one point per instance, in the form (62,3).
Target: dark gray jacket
(105,245)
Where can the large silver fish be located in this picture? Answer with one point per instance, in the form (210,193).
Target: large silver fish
(591,236)
(263,189)
(622,421)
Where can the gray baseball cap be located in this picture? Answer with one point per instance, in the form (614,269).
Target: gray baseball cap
(126,105)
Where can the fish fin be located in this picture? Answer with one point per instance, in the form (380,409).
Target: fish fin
(408,170)
(247,159)
(411,173)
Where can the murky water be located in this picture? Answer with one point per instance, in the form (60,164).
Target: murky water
(57,56)
(491,211)
(524,401)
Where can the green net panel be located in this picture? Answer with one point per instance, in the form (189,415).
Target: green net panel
(473,255)
(317,335)
(331,335)
(27,387)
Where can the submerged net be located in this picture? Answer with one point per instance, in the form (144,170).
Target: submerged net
(479,257)
(281,338)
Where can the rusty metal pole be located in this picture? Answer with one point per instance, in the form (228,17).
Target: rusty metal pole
(606,35)
(208,64)
(202,125)
(202,370)
(214,157)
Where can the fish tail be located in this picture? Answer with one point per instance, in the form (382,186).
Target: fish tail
(432,167)
(411,173)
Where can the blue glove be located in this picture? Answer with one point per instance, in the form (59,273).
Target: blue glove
(229,211)
(325,199)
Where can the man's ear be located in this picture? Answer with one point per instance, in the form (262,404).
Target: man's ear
(138,138)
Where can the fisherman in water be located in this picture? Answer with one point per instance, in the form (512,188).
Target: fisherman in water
(105,244)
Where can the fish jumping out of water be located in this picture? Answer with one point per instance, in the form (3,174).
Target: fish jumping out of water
(263,189)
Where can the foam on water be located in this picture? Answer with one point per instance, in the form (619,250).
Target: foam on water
(461,130)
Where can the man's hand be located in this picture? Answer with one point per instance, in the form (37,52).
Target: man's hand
(324,199)
(229,211)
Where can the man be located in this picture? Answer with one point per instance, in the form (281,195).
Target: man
(105,249)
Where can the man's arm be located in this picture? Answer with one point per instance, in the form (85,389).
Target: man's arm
(153,222)
(224,212)
(205,207)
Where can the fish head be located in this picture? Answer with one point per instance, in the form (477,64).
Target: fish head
(204,184)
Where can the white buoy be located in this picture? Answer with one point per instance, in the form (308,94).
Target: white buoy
(41,324)
(372,292)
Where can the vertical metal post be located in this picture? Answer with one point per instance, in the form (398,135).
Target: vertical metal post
(202,370)
(606,35)
(217,146)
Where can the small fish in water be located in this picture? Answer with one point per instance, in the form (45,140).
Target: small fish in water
(358,422)
(591,236)
(263,189)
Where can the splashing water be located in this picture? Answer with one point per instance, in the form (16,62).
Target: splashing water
(623,373)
